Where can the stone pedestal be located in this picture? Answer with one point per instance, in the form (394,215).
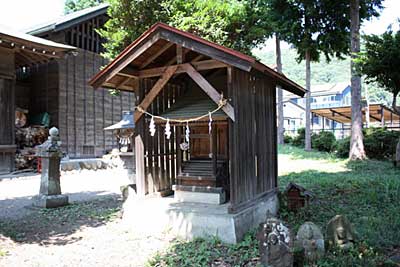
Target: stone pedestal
(127,166)
(50,190)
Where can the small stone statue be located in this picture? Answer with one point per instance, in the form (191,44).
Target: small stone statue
(310,241)
(50,195)
(340,233)
(275,244)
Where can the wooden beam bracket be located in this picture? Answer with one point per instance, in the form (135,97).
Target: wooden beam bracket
(152,94)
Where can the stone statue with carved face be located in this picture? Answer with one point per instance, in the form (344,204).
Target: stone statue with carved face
(275,244)
(310,241)
(340,233)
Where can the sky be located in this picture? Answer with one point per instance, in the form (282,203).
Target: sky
(23,14)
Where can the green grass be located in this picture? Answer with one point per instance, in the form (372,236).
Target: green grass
(367,192)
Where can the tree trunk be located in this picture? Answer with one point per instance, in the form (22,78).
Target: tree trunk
(307,141)
(356,143)
(281,129)
(397,159)
(397,110)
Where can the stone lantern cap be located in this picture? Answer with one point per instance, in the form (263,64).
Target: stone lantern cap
(127,122)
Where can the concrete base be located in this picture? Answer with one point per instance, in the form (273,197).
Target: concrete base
(190,220)
(199,194)
(50,201)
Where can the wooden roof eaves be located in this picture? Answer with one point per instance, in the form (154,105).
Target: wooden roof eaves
(130,53)
(197,44)
(281,79)
(205,49)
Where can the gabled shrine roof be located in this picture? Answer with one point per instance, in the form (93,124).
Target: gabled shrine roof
(158,38)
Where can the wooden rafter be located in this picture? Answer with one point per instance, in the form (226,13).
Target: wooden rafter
(179,55)
(208,89)
(154,72)
(197,58)
(155,90)
(156,55)
(129,58)
(174,59)
(123,82)
(339,113)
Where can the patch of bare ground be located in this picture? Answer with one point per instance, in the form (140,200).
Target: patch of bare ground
(81,234)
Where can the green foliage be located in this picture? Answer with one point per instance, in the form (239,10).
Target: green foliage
(313,26)
(380,60)
(323,141)
(298,140)
(334,71)
(233,23)
(380,143)
(207,252)
(287,139)
(128,20)
(76,5)
(342,147)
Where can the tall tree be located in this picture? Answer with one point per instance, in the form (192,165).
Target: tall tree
(312,27)
(357,151)
(128,20)
(380,62)
(76,5)
(281,129)
(364,9)
(233,23)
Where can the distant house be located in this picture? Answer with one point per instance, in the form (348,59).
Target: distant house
(293,116)
(322,96)
(328,96)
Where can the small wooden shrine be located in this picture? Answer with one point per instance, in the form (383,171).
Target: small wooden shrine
(205,118)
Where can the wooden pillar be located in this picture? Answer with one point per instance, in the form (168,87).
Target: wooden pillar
(178,149)
(7,111)
(140,168)
(214,149)
(382,117)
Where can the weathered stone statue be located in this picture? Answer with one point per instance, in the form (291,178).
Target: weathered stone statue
(50,190)
(275,244)
(340,233)
(310,241)
(397,156)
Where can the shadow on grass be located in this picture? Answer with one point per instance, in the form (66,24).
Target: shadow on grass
(57,226)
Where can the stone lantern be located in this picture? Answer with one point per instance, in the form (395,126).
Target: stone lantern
(50,190)
(125,157)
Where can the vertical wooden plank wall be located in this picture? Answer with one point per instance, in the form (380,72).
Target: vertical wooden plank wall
(252,142)
(85,112)
(7,112)
(158,153)
(44,91)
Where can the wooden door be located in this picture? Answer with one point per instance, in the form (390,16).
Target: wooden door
(200,145)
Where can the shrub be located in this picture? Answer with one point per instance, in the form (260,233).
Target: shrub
(380,143)
(342,147)
(298,140)
(324,141)
(287,139)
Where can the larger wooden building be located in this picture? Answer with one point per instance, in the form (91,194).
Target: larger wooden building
(18,50)
(179,76)
(61,87)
